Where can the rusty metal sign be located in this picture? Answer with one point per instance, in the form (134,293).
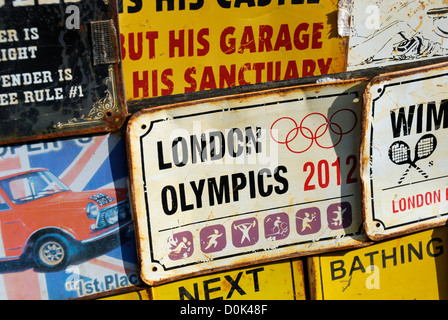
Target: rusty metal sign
(411,267)
(283,280)
(383,33)
(231,181)
(60,70)
(403,166)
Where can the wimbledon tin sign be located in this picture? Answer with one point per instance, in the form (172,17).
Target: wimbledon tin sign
(389,32)
(60,70)
(404,172)
(227,182)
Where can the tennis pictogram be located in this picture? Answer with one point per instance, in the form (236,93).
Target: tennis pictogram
(400,153)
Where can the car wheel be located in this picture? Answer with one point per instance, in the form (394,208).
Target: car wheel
(51,253)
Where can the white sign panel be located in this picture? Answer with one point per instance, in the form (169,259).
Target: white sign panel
(404,173)
(232,181)
(390,32)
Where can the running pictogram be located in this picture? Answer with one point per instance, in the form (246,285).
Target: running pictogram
(315,128)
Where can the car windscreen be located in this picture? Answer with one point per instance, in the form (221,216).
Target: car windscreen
(31,186)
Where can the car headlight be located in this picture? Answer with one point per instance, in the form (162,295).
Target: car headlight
(111,215)
(92,210)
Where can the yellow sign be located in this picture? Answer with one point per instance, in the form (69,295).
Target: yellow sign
(275,281)
(134,295)
(177,46)
(411,267)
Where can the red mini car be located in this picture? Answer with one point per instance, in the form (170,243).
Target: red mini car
(42,218)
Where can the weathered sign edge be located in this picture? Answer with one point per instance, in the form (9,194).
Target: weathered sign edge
(365,157)
(141,226)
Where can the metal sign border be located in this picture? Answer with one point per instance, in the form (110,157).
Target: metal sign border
(391,79)
(143,232)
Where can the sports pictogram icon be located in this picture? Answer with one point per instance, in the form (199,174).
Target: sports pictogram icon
(400,153)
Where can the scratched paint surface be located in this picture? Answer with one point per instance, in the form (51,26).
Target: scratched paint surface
(404,172)
(215,185)
(390,32)
(408,268)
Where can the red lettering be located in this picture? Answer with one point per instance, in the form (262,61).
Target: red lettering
(133,53)
(227,78)
(265,35)
(168,82)
(324,67)
(247,41)
(317,35)
(208,79)
(283,39)
(190,80)
(228,45)
(138,84)
(291,70)
(308,67)
(301,42)
(178,43)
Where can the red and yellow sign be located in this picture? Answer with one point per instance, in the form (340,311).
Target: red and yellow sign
(177,46)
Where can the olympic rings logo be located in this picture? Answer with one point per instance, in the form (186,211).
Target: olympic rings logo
(313,129)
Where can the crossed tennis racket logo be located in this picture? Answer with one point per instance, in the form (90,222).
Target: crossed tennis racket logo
(400,153)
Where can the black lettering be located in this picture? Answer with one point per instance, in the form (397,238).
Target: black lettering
(261,190)
(437,117)
(224,4)
(217,153)
(137,6)
(198,5)
(231,142)
(393,256)
(253,140)
(237,186)
(263,3)
(221,192)
(418,254)
(198,191)
(183,199)
(254,273)
(400,122)
(335,269)
(252,184)
(208,290)
(250,3)
(162,164)
(281,179)
(175,149)
(172,198)
(234,284)
(159,5)
(370,255)
(198,150)
(183,293)
(354,267)
(434,251)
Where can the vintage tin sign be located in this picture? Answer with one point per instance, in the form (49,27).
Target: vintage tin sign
(274,281)
(407,268)
(384,33)
(256,177)
(220,44)
(66,227)
(403,165)
(60,70)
